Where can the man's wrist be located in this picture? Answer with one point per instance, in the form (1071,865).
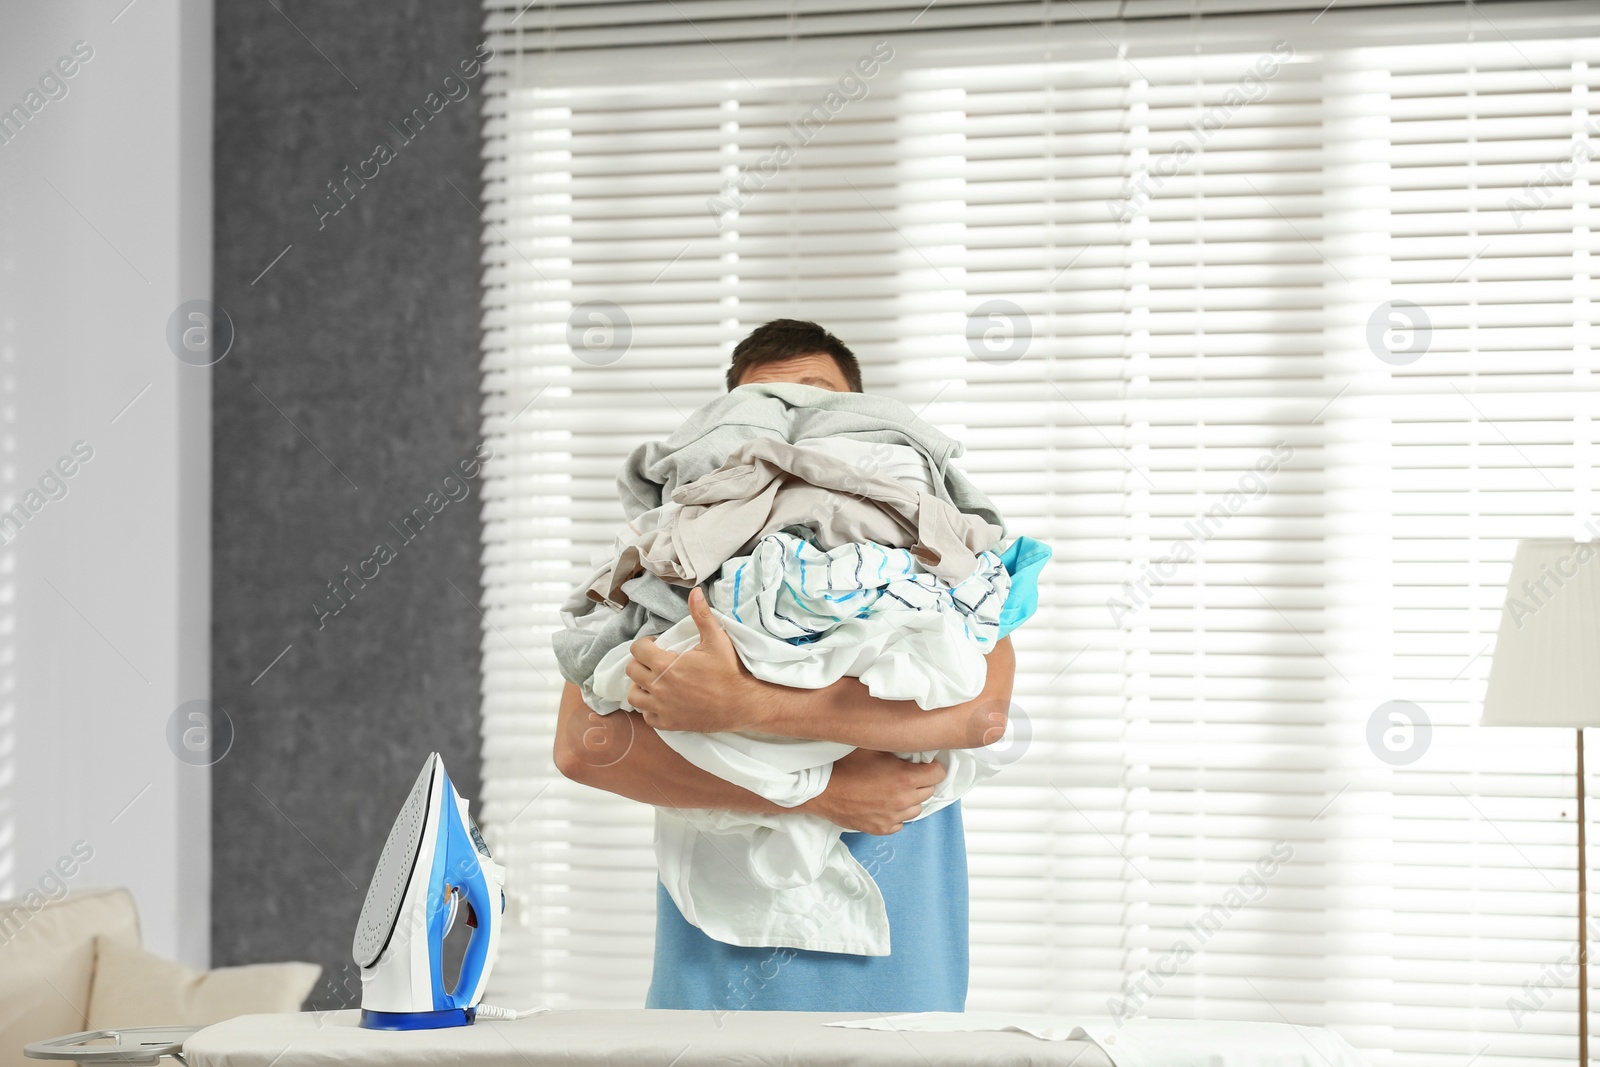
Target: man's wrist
(820,805)
(777,706)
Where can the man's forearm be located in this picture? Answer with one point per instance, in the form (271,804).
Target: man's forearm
(845,712)
(621,754)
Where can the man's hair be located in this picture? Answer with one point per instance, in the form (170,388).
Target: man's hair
(784,339)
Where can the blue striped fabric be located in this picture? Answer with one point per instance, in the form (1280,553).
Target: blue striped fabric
(798,592)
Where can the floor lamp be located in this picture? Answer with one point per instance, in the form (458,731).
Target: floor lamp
(1546,672)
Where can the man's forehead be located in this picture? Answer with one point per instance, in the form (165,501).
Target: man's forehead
(816,369)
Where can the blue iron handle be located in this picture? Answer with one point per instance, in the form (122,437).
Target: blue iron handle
(475,892)
(461,868)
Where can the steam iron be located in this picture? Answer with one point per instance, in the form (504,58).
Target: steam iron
(434,870)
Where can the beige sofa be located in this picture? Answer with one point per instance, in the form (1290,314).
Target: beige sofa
(77,964)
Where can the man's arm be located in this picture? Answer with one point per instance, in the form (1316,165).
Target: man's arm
(845,712)
(708,689)
(620,753)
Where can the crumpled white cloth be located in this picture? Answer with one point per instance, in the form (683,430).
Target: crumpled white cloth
(858,610)
(788,878)
(761,880)
(921,656)
(1149,1042)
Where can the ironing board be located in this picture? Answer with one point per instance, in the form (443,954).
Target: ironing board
(617,1038)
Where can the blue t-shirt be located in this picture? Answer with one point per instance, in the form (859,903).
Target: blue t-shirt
(922,871)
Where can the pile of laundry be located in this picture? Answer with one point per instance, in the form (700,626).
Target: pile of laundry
(833,538)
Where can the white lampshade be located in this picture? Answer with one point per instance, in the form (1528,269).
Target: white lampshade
(1546,666)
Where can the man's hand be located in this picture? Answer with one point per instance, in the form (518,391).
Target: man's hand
(876,792)
(706,689)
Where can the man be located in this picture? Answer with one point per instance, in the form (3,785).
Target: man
(921,866)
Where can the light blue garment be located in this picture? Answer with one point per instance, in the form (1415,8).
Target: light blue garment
(922,871)
(1024,560)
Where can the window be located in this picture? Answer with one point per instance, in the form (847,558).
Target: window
(1278,332)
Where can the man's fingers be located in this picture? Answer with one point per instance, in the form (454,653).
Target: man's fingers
(713,637)
(646,651)
(932,772)
(909,813)
(639,673)
(640,700)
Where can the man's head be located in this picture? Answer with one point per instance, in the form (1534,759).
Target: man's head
(788,350)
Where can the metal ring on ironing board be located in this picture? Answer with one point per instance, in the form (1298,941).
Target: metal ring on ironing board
(132,1045)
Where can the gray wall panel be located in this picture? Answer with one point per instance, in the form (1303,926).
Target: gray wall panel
(350,393)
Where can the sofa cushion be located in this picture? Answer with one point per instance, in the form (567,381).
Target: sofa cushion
(47,951)
(133,987)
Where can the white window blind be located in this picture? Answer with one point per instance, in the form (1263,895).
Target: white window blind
(1145,291)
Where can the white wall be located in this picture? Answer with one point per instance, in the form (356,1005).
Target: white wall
(105,228)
